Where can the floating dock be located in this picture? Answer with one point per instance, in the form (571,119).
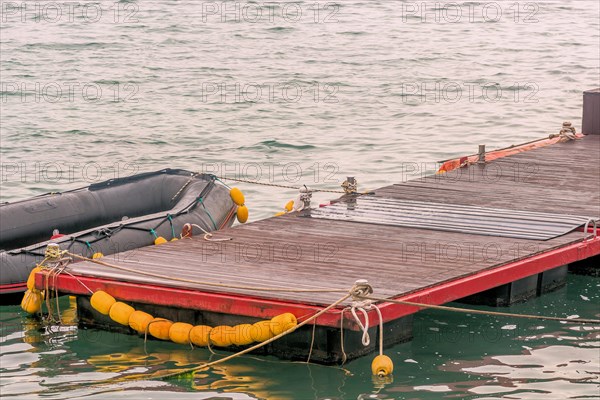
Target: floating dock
(493,232)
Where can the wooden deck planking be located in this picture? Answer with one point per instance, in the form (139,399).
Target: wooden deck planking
(562,178)
(387,256)
(544,199)
(391,268)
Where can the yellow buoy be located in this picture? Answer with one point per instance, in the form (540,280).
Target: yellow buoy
(242,214)
(382,365)
(282,323)
(120,312)
(102,302)
(32,302)
(200,335)
(174,239)
(97,255)
(237,196)
(261,331)
(160,240)
(221,335)
(280,213)
(242,335)
(139,320)
(290,205)
(159,328)
(179,332)
(31,279)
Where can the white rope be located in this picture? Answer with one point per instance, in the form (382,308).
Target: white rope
(363,307)
(366,340)
(312,341)
(344,356)
(362,304)
(208,235)
(78,280)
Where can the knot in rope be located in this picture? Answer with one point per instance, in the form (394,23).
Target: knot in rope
(361,289)
(566,133)
(350,185)
(302,202)
(53,252)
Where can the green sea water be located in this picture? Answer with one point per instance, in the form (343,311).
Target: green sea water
(452,355)
(292,93)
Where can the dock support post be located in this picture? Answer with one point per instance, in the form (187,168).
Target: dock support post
(523,289)
(590,124)
(552,279)
(505,295)
(481,153)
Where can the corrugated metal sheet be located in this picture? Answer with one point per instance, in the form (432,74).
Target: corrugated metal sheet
(452,218)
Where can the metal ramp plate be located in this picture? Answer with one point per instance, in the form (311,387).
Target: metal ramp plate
(451,217)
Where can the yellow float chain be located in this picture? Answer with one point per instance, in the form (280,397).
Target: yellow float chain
(184,333)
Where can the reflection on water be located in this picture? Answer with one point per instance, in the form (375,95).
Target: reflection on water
(451,356)
(520,360)
(559,370)
(563,371)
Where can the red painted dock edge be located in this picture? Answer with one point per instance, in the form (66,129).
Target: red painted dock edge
(13,287)
(267,308)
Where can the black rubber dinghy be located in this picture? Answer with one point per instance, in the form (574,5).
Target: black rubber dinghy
(108,217)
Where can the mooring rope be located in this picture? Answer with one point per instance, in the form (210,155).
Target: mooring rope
(53,272)
(161,375)
(229,215)
(483,312)
(360,294)
(184,186)
(312,341)
(78,280)
(262,344)
(208,236)
(277,185)
(206,283)
(360,303)
(53,252)
(365,339)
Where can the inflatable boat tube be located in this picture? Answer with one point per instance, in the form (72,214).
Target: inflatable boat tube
(108,217)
